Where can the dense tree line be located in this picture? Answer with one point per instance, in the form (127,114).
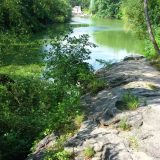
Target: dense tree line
(106,8)
(24,14)
(134,17)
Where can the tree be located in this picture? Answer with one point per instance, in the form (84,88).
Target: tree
(107,8)
(23,15)
(149,27)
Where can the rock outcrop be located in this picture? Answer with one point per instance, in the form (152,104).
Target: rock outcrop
(102,132)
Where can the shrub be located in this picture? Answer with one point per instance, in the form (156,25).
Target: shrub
(66,63)
(59,155)
(39,106)
(34,106)
(106,8)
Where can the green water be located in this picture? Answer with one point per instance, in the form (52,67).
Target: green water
(119,40)
(112,40)
(113,43)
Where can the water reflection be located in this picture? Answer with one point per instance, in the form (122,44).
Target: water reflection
(113,42)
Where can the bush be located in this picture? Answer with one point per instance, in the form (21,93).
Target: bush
(150,52)
(60,155)
(107,8)
(133,17)
(66,63)
(34,106)
(39,106)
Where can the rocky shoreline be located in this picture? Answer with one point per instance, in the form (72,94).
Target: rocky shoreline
(101,131)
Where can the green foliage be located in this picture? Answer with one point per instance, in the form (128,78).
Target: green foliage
(96,85)
(39,106)
(58,152)
(60,155)
(64,155)
(89,152)
(23,103)
(66,63)
(133,17)
(130,101)
(150,52)
(123,124)
(107,8)
(34,106)
(79,119)
(23,14)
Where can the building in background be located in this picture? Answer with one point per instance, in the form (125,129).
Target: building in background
(76,10)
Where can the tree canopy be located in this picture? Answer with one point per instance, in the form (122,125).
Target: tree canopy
(107,8)
(24,14)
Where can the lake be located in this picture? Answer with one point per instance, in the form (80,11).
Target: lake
(112,40)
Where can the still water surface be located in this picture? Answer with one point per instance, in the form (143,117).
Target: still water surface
(112,40)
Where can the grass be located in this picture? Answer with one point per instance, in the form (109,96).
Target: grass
(130,101)
(22,70)
(123,124)
(89,152)
(78,120)
(133,142)
(96,85)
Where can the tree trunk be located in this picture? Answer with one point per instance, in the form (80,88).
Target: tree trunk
(150,31)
